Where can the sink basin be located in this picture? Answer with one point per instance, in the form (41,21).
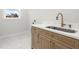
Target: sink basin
(61,29)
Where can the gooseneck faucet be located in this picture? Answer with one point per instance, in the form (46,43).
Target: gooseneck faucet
(62,21)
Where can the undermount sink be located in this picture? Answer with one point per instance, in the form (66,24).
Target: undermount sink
(62,29)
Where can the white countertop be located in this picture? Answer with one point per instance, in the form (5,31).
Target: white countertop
(72,35)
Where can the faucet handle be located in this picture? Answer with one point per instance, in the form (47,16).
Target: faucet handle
(56,18)
(70,25)
(64,24)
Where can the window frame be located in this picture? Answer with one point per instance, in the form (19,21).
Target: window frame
(10,16)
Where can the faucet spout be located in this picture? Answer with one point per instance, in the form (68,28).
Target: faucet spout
(62,21)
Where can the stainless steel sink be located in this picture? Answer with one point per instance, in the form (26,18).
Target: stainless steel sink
(62,29)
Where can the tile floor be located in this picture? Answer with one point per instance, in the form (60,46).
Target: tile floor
(16,42)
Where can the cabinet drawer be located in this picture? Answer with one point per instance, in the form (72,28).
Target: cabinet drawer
(67,41)
(60,46)
(46,33)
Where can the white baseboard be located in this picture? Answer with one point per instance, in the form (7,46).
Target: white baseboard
(12,35)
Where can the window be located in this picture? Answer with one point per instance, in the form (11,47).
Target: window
(11,13)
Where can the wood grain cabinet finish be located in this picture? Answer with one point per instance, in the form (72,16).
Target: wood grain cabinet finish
(44,42)
(65,41)
(77,44)
(43,39)
(35,37)
(60,46)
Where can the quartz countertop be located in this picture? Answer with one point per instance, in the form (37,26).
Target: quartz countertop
(72,35)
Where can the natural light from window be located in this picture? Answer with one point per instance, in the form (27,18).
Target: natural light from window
(11,13)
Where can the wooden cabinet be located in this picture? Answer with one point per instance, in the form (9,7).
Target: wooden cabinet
(52,44)
(77,44)
(44,42)
(60,46)
(64,41)
(43,39)
(35,33)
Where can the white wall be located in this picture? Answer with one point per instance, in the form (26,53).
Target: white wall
(44,16)
(12,26)
(48,16)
